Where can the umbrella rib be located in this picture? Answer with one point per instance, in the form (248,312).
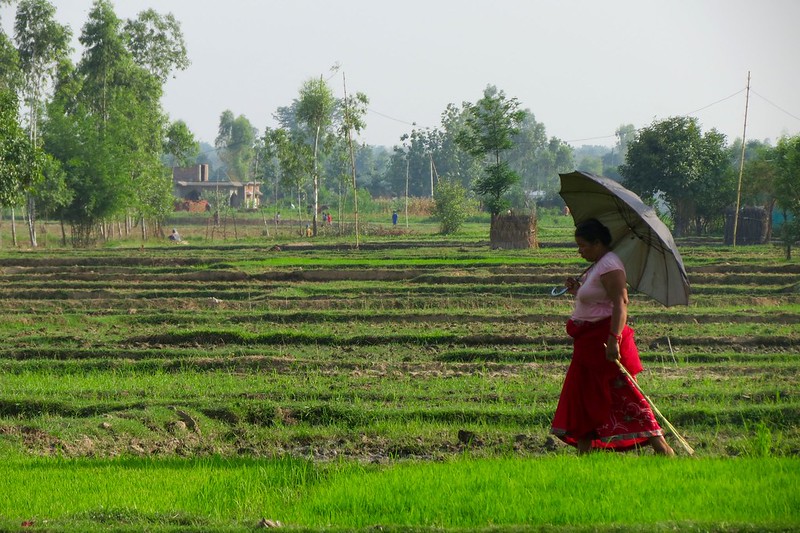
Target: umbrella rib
(651,243)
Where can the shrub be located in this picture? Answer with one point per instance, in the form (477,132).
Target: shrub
(450,206)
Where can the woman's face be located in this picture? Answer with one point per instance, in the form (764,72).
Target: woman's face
(591,251)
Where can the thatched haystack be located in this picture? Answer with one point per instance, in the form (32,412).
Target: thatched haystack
(513,231)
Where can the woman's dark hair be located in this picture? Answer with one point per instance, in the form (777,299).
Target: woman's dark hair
(592,230)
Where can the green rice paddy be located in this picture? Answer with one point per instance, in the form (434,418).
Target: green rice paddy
(407,384)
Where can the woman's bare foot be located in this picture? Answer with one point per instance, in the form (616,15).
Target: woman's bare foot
(584,446)
(660,446)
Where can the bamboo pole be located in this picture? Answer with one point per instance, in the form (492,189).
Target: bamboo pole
(672,429)
(741,163)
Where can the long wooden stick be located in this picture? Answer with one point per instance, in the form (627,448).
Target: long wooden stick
(672,429)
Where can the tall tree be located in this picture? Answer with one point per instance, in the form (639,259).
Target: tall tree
(625,133)
(42,43)
(107,129)
(235,144)
(104,57)
(759,175)
(180,144)
(451,161)
(9,64)
(20,160)
(156,43)
(315,108)
(492,123)
(787,188)
(294,160)
(354,109)
(675,159)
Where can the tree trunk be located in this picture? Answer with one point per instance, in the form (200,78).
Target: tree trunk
(316,182)
(14,227)
(352,161)
(770,207)
(407,191)
(30,217)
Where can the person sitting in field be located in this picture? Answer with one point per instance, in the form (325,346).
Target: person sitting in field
(175,236)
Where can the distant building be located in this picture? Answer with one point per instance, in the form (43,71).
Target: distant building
(191,183)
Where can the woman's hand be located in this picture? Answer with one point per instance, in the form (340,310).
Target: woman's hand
(572,285)
(612,348)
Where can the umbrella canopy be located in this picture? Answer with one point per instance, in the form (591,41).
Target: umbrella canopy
(645,245)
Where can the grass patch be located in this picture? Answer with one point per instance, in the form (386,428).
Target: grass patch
(601,492)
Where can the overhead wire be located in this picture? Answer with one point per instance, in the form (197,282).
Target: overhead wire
(740,91)
(776,106)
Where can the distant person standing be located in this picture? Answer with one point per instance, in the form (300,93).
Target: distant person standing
(394,218)
(175,236)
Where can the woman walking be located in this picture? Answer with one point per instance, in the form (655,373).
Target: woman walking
(598,408)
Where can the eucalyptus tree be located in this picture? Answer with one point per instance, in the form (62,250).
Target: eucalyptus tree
(528,157)
(408,172)
(450,159)
(156,43)
(235,144)
(294,160)
(759,175)
(491,124)
(354,109)
(42,43)
(180,144)
(20,160)
(9,64)
(268,172)
(107,128)
(314,111)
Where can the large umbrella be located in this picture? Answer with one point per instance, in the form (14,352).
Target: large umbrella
(645,245)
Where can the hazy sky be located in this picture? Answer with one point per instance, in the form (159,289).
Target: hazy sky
(583,67)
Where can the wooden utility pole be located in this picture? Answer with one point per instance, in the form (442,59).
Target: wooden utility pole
(741,163)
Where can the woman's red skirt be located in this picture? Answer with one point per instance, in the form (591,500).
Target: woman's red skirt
(597,401)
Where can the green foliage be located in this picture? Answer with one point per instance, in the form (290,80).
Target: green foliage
(106,128)
(315,106)
(314,111)
(787,183)
(20,161)
(490,127)
(156,43)
(9,64)
(293,155)
(690,169)
(53,194)
(235,144)
(450,206)
(787,188)
(181,144)
(42,43)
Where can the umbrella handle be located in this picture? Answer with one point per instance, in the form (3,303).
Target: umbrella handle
(558,291)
